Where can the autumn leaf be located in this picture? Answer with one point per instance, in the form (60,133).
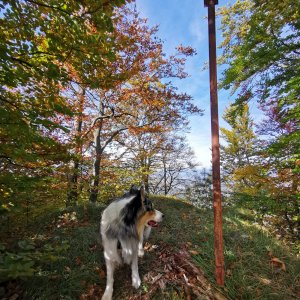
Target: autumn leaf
(194,252)
(278,264)
(184,216)
(219,296)
(68,269)
(100,272)
(78,261)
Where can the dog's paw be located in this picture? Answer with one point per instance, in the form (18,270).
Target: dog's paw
(107,296)
(141,252)
(136,282)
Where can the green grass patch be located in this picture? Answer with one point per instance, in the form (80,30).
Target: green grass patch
(80,271)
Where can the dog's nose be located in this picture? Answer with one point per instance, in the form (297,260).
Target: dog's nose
(163,216)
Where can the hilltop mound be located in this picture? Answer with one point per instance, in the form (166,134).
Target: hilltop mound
(178,261)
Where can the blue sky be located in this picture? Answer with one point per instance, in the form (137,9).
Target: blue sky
(184,22)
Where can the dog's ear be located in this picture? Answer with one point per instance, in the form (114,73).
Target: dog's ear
(134,190)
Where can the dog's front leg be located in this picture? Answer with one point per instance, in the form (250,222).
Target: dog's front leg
(136,281)
(141,247)
(143,237)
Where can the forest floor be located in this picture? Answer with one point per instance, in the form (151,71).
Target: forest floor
(178,261)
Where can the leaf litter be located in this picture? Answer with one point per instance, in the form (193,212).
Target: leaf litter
(178,270)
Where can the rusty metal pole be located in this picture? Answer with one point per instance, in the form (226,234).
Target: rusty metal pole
(218,240)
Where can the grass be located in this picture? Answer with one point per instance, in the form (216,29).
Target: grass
(248,253)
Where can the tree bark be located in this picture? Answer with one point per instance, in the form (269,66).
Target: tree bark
(72,193)
(165,177)
(97,163)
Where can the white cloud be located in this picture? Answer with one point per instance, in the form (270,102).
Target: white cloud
(201,146)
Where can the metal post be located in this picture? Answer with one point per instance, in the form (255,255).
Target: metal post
(218,241)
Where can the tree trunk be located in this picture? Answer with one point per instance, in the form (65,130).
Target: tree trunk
(96,179)
(72,193)
(146,164)
(165,177)
(146,182)
(95,184)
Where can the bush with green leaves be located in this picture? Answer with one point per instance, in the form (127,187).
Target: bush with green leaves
(27,258)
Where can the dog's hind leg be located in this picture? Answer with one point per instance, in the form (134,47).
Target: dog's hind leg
(112,258)
(130,256)
(110,266)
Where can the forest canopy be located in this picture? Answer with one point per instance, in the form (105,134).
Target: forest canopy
(87,102)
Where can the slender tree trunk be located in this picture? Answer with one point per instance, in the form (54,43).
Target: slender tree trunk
(97,163)
(94,191)
(145,166)
(72,194)
(146,182)
(95,184)
(165,177)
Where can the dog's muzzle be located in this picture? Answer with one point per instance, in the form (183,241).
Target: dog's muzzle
(158,217)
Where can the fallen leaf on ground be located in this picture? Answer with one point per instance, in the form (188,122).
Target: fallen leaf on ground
(194,252)
(68,269)
(100,272)
(219,296)
(78,261)
(158,276)
(228,272)
(184,216)
(93,292)
(276,262)
(180,270)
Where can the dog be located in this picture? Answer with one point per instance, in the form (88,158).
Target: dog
(124,224)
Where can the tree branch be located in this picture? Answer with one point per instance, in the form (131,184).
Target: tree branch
(49,6)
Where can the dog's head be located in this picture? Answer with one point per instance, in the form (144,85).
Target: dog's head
(151,217)
(154,217)
(141,207)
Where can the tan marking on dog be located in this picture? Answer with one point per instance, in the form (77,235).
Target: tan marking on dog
(144,218)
